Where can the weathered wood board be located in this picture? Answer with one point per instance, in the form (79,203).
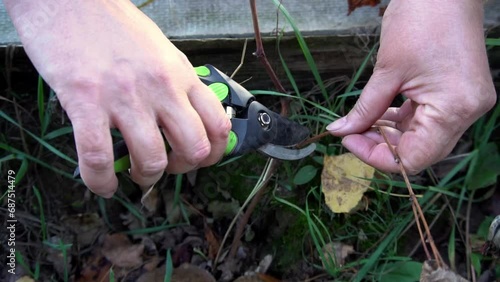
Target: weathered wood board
(181,19)
(214,31)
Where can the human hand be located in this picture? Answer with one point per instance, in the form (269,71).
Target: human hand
(111,66)
(434,54)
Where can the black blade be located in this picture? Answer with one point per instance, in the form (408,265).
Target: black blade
(289,132)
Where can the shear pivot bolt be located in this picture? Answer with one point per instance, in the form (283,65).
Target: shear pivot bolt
(264,120)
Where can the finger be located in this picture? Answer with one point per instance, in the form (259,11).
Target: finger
(402,116)
(94,147)
(398,114)
(393,135)
(216,122)
(370,151)
(148,155)
(185,133)
(371,105)
(420,148)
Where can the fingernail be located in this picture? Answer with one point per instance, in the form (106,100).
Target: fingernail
(336,125)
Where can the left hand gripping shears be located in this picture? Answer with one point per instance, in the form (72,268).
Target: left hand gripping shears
(254,126)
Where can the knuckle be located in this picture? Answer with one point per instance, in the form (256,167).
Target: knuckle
(152,167)
(223,128)
(162,77)
(362,109)
(199,152)
(97,160)
(414,166)
(184,59)
(471,107)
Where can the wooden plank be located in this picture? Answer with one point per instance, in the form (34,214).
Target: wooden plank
(335,57)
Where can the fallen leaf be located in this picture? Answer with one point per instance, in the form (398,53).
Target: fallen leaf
(431,273)
(86,227)
(184,273)
(118,249)
(59,259)
(96,268)
(213,243)
(259,277)
(25,279)
(338,252)
(150,198)
(342,181)
(220,209)
(354,4)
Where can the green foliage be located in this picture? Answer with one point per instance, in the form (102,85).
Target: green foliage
(492,41)
(305,175)
(485,167)
(401,271)
(169,267)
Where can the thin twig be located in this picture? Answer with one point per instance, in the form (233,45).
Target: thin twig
(313,139)
(246,216)
(468,250)
(242,59)
(261,55)
(419,215)
(269,170)
(259,52)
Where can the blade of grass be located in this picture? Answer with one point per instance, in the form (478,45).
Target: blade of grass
(102,207)
(391,237)
(43,223)
(41,141)
(355,79)
(492,41)
(354,93)
(7,158)
(154,229)
(304,48)
(274,93)
(130,208)
(20,155)
(451,248)
(111,274)
(22,171)
(22,262)
(489,127)
(169,267)
(58,132)
(41,104)
(177,196)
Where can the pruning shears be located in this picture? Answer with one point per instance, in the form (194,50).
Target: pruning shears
(254,126)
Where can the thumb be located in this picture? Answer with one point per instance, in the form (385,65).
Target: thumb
(374,101)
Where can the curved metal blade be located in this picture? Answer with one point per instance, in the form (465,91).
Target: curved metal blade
(283,153)
(289,132)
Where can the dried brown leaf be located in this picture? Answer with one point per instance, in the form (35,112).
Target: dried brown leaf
(118,249)
(431,273)
(338,252)
(86,226)
(213,243)
(354,4)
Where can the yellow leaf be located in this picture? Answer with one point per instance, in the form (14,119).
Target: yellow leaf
(25,279)
(342,182)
